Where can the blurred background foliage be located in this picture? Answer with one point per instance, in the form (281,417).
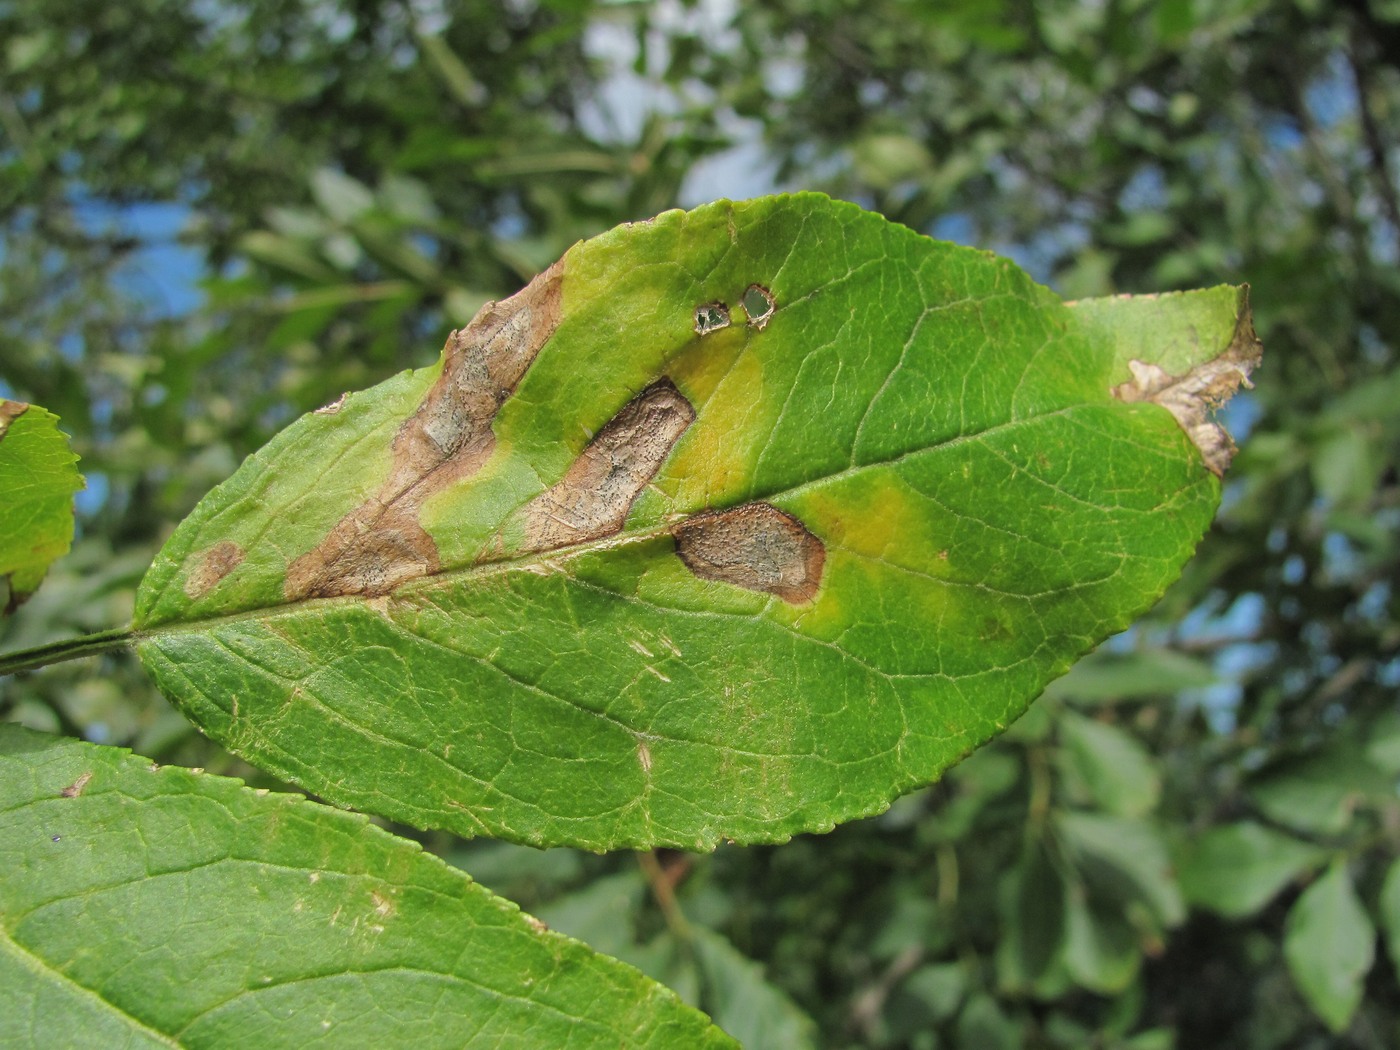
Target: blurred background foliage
(218,214)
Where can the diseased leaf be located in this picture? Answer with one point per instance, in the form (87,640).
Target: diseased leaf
(154,907)
(1330,945)
(735,523)
(38,477)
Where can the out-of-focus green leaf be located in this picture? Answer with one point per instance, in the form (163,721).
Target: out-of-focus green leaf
(1104,677)
(38,476)
(1030,951)
(735,523)
(1117,770)
(341,197)
(742,1000)
(147,906)
(983,1024)
(1318,793)
(1389,911)
(1101,949)
(939,988)
(1383,743)
(1124,860)
(1236,869)
(1345,465)
(1330,945)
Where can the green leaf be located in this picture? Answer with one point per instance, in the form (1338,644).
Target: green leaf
(147,906)
(1329,946)
(1101,947)
(1115,768)
(1123,860)
(1104,677)
(1319,792)
(38,477)
(736,523)
(1236,869)
(983,1024)
(1030,952)
(743,1001)
(1389,911)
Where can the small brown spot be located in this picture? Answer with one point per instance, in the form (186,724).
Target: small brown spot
(538,925)
(711,317)
(596,494)
(1193,398)
(758,305)
(216,563)
(756,547)
(380,544)
(75,789)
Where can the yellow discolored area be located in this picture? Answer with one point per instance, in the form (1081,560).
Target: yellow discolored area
(713,465)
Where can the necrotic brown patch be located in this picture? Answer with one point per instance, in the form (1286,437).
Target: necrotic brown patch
(9,412)
(1194,397)
(593,499)
(756,547)
(380,544)
(216,563)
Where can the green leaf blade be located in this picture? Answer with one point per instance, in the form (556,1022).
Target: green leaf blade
(38,477)
(498,642)
(163,907)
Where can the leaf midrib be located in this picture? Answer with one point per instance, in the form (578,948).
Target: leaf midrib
(534,560)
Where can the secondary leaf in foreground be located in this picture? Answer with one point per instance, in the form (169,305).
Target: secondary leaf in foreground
(154,907)
(735,523)
(38,477)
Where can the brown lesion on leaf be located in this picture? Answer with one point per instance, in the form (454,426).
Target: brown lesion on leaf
(216,563)
(755,546)
(594,497)
(1194,397)
(380,544)
(76,788)
(9,412)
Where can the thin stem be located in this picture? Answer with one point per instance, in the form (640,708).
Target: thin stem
(664,891)
(68,649)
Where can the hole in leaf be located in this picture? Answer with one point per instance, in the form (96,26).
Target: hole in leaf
(758,305)
(710,317)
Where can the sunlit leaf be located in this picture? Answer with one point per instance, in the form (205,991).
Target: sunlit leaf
(735,523)
(146,906)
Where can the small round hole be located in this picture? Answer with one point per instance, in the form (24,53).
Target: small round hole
(758,305)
